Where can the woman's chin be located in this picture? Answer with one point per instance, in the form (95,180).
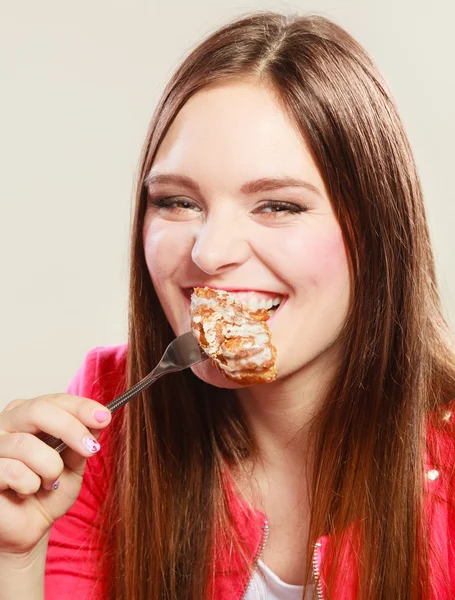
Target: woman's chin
(209,374)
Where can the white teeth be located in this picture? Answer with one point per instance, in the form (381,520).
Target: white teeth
(262,303)
(255,301)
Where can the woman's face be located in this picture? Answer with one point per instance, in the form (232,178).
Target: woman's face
(236,203)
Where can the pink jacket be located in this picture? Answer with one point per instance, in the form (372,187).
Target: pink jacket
(71,568)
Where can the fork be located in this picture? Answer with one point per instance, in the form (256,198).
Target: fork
(183,352)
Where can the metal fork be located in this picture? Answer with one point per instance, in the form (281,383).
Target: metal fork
(183,352)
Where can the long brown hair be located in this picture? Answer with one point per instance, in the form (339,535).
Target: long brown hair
(369,437)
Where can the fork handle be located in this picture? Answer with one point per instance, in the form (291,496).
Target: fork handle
(119,401)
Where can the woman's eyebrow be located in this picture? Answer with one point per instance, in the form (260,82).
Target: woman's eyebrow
(172,178)
(265,184)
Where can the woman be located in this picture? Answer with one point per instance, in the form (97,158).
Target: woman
(275,167)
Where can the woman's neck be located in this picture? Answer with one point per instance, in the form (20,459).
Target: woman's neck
(279,414)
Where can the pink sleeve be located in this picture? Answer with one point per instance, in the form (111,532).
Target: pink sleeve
(72,567)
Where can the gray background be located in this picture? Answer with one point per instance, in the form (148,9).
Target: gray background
(79,83)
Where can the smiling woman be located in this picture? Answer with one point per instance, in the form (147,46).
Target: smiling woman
(276,173)
(226,210)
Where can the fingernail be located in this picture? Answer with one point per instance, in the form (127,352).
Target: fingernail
(56,484)
(101,415)
(90,444)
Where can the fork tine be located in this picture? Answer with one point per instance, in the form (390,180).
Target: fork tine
(184,350)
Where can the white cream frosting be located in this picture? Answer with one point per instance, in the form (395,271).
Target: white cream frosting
(251,355)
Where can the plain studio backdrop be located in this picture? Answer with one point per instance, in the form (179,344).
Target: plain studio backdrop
(79,82)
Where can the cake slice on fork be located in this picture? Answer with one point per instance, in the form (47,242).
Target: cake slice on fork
(236,338)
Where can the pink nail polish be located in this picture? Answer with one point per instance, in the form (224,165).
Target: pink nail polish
(56,484)
(101,415)
(90,444)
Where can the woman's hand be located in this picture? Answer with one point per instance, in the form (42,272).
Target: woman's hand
(38,485)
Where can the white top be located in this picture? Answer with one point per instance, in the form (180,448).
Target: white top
(265,585)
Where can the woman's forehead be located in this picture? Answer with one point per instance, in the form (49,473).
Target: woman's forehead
(236,130)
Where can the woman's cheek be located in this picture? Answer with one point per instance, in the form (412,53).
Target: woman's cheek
(319,257)
(331,275)
(330,256)
(166,246)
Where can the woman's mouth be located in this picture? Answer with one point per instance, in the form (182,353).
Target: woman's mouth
(252,299)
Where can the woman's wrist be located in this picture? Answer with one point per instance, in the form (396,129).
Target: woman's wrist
(22,575)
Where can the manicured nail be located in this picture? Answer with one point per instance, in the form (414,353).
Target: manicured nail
(101,415)
(90,444)
(56,484)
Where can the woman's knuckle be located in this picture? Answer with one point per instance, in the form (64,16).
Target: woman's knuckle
(60,398)
(15,471)
(20,443)
(57,397)
(66,422)
(36,407)
(13,404)
(30,485)
(81,405)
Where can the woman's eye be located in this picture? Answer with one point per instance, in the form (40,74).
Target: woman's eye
(176,204)
(274,208)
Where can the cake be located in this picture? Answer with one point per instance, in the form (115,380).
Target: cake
(236,338)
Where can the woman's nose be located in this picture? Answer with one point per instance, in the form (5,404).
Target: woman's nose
(219,246)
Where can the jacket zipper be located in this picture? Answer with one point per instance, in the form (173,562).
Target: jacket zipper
(316,574)
(265,535)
